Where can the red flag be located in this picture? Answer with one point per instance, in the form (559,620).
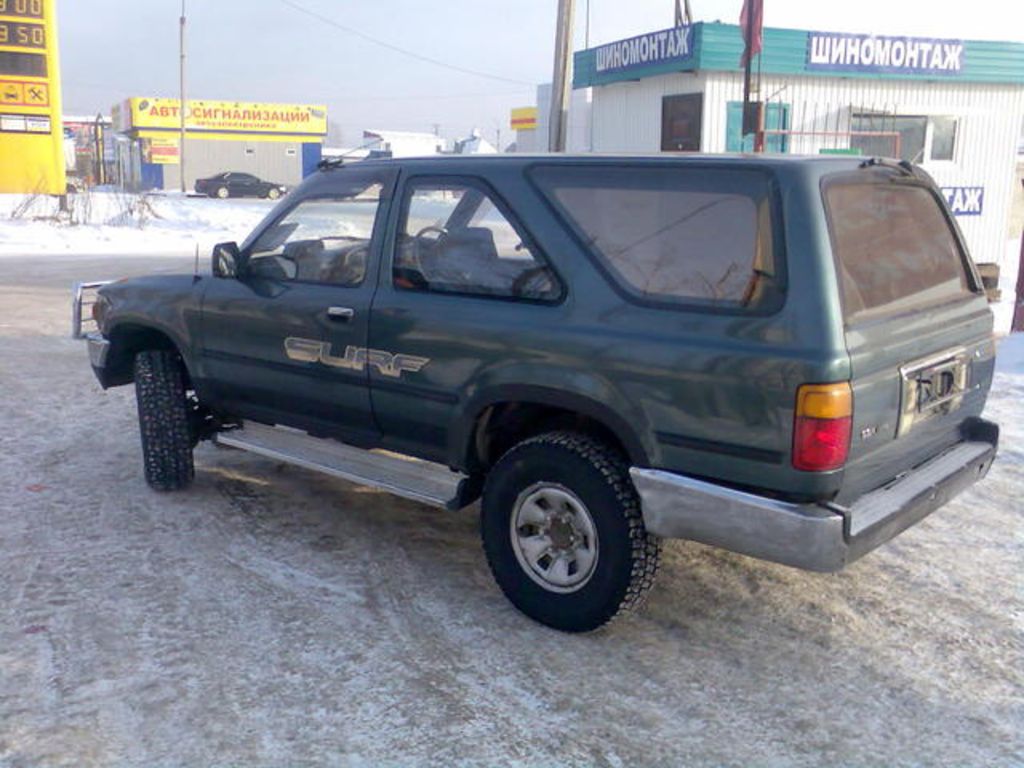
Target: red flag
(751,20)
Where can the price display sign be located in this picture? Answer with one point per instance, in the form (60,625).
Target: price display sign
(31,132)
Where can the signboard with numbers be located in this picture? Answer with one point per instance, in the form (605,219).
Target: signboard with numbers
(31,134)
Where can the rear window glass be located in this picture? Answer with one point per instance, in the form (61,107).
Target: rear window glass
(688,236)
(894,248)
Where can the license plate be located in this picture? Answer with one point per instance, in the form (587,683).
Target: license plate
(932,387)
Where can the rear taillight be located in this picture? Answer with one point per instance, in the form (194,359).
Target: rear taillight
(821,427)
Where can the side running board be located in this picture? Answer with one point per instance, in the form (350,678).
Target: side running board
(410,478)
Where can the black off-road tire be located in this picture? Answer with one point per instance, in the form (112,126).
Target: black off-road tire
(163,419)
(598,475)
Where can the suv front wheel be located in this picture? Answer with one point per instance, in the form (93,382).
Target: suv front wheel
(164,421)
(563,532)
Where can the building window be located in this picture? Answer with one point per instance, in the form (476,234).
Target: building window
(680,122)
(916,138)
(943,138)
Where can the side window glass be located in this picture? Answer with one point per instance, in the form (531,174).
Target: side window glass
(699,239)
(321,240)
(455,239)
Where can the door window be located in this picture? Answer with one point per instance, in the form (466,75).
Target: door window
(320,240)
(454,238)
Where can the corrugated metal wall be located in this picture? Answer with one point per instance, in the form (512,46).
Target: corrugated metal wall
(627,118)
(278,161)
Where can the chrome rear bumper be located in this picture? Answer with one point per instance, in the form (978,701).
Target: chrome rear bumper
(816,537)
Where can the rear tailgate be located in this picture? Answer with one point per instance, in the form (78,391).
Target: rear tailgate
(918,328)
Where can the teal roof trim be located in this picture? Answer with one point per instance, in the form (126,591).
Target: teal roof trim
(718,47)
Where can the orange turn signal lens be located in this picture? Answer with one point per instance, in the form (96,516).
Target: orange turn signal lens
(825,401)
(821,426)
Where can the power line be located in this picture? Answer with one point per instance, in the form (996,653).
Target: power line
(412,54)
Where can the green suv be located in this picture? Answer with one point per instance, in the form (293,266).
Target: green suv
(784,357)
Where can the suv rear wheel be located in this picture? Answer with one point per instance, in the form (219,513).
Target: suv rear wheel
(164,419)
(563,532)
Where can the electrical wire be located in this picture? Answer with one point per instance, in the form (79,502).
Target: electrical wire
(412,54)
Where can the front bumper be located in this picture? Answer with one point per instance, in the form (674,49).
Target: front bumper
(816,537)
(99,348)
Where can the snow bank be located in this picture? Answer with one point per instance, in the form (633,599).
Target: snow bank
(114,222)
(1010,357)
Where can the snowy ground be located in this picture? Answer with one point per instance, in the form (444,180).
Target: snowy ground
(114,222)
(270,616)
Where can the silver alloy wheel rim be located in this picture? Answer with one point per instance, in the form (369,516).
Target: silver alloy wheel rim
(554,537)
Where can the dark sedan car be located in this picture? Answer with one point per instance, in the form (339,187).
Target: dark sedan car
(235,184)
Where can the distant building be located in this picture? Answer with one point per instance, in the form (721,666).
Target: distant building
(90,150)
(277,142)
(474,144)
(403,143)
(532,135)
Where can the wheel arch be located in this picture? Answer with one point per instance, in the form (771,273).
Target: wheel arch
(510,414)
(127,339)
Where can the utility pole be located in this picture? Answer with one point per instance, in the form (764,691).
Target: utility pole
(561,87)
(684,14)
(101,161)
(182,108)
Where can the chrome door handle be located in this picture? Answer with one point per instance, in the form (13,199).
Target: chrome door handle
(340,313)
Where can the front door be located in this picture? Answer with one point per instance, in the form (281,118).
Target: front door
(463,272)
(285,342)
(776,118)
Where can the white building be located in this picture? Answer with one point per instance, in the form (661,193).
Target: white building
(403,143)
(578,134)
(953,106)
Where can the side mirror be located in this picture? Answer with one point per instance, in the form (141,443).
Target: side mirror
(225,260)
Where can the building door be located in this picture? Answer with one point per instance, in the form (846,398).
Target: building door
(776,117)
(681,122)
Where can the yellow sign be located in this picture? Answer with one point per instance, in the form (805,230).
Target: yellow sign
(162,151)
(524,118)
(31,133)
(228,116)
(24,93)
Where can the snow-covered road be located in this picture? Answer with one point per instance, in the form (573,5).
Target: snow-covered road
(270,616)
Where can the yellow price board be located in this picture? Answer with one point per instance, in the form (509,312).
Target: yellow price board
(31,132)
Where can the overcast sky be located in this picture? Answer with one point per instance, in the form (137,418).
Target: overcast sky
(267,50)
